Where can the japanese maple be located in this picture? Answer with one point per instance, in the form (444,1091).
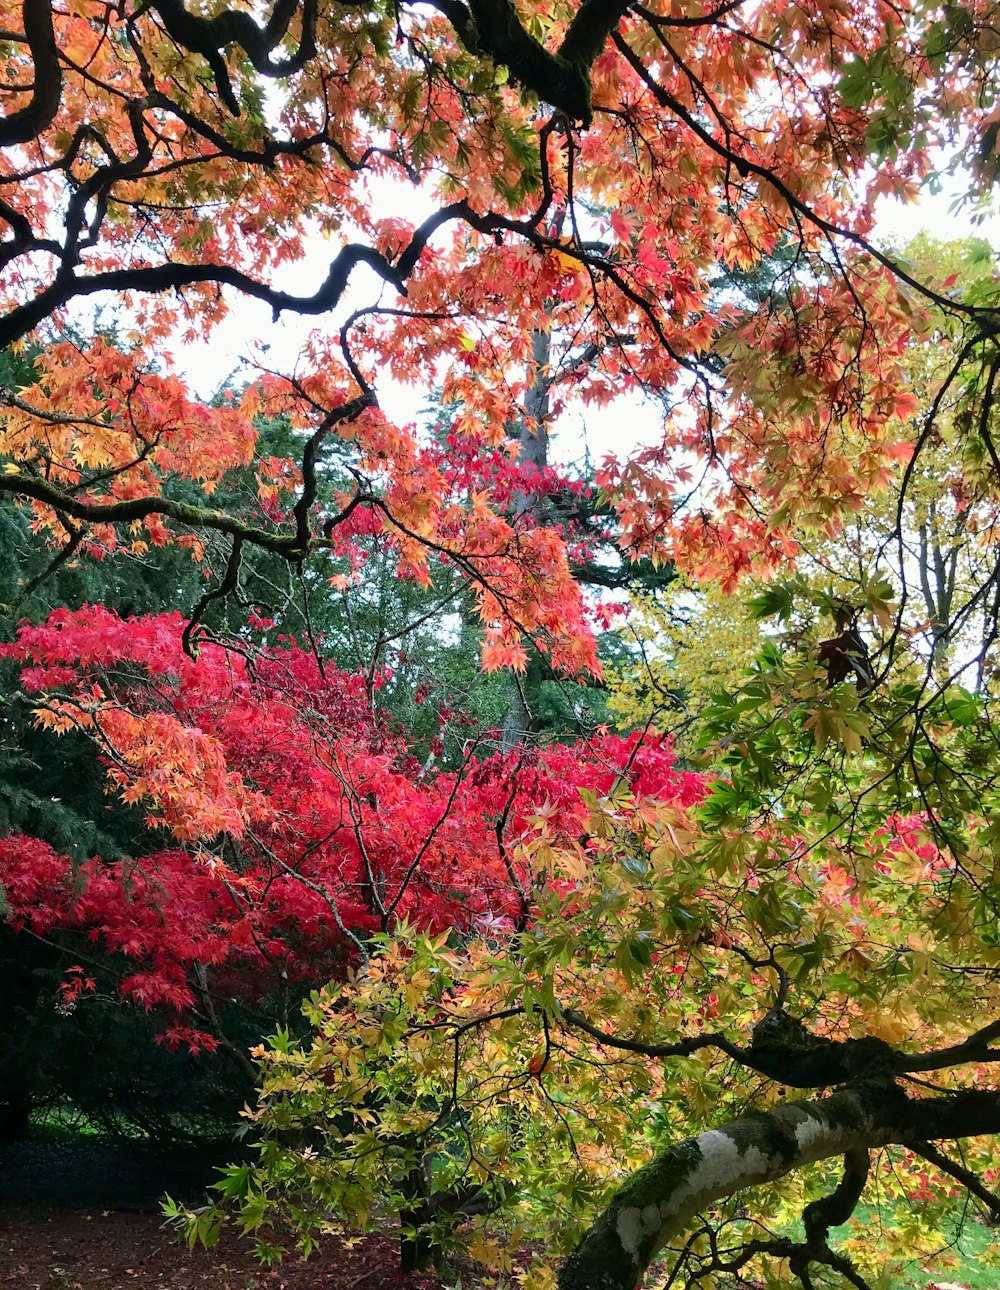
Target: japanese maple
(287,820)
(593,171)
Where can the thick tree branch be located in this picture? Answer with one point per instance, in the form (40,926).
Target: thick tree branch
(140,508)
(659,1200)
(210,36)
(27,122)
(588,33)
(830,1211)
(561,79)
(174,277)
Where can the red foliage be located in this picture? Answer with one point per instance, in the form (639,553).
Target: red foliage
(300,821)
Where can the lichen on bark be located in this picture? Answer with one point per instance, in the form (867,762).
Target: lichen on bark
(617,1249)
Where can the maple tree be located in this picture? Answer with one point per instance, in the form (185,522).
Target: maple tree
(517,1075)
(912,563)
(300,823)
(826,900)
(183,185)
(274,784)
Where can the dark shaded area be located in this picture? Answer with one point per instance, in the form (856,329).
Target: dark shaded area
(76,1171)
(102,1059)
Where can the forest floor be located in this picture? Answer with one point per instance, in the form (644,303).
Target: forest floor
(120,1250)
(80,1212)
(113,1250)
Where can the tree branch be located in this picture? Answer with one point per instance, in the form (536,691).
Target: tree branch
(174,277)
(965,1176)
(209,36)
(27,122)
(139,508)
(561,79)
(830,1211)
(658,1201)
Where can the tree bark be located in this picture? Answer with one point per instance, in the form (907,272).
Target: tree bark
(658,1201)
(535,452)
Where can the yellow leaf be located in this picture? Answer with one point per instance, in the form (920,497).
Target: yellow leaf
(567,263)
(848,737)
(538,1277)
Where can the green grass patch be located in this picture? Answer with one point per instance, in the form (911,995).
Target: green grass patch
(57,1124)
(950,1247)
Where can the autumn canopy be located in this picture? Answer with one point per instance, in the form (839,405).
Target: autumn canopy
(602,860)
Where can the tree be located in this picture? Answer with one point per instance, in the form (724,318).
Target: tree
(535,1066)
(182,190)
(590,167)
(282,796)
(911,563)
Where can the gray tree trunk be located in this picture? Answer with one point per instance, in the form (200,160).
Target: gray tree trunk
(535,452)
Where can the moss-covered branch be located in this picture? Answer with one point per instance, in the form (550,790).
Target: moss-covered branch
(658,1201)
(140,508)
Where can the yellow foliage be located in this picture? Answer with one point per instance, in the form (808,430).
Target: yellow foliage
(692,640)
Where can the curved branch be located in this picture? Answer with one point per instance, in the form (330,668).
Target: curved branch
(74,536)
(226,587)
(658,1201)
(689,20)
(830,1211)
(209,36)
(300,511)
(561,79)
(167,277)
(140,508)
(27,122)
(988,318)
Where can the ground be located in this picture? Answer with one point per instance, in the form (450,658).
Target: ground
(81,1212)
(111,1250)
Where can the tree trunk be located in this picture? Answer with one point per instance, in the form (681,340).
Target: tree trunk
(415,1251)
(535,452)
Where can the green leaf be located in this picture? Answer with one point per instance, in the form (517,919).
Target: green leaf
(856,86)
(637,865)
(773,602)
